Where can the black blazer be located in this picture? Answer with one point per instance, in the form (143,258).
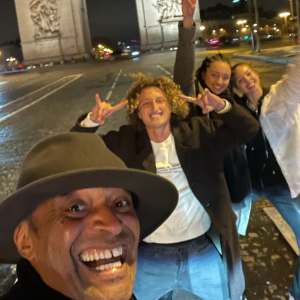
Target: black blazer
(200,144)
(30,286)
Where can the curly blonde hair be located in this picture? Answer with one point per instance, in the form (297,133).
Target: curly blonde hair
(179,107)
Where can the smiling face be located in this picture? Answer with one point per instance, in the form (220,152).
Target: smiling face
(217,76)
(154,109)
(246,80)
(85,244)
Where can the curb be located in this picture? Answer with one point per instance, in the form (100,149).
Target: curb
(13,72)
(264,59)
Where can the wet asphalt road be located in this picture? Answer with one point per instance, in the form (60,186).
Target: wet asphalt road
(45,101)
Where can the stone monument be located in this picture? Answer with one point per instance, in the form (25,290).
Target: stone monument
(53,30)
(158,23)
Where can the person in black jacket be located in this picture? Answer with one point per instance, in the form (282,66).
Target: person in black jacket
(76,219)
(180,254)
(213,74)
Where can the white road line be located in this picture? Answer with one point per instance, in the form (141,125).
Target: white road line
(164,70)
(108,95)
(38,90)
(113,86)
(41,98)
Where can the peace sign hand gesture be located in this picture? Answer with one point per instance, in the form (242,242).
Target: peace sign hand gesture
(207,101)
(103,110)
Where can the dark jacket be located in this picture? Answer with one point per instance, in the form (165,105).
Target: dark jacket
(235,161)
(30,286)
(265,171)
(200,145)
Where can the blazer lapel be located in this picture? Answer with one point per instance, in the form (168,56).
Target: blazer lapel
(145,153)
(184,152)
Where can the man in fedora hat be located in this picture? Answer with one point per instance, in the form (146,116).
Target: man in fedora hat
(74,222)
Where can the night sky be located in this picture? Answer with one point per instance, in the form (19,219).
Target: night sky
(114,19)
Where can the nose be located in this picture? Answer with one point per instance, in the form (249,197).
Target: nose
(220,80)
(155,106)
(104,219)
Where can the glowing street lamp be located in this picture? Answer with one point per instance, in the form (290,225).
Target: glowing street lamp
(285,15)
(241,22)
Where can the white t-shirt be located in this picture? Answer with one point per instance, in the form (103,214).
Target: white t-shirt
(189,220)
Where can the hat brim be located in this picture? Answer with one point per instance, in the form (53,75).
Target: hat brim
(157,198)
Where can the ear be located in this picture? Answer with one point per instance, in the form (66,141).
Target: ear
(139,115)
(24,240)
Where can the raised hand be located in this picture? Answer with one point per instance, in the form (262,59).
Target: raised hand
(103,110)
(188,9)
(207,101)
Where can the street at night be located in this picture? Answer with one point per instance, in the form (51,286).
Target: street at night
(40,102)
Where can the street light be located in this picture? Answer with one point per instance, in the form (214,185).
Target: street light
(241,22)
(202,28)
(285,15)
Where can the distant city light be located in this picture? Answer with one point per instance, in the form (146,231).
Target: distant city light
(221,29)
(202,27)
(244,29)
(246,37)
(135,53)
(254,25)
(284,14)
(255,30)
(240,22)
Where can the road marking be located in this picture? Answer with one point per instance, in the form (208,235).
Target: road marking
(164,70)
(41,98)
(113,86)
(108,95)
(38,90)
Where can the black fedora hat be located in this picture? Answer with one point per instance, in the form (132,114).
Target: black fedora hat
(73,161)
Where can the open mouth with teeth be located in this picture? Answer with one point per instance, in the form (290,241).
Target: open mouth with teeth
(101,260)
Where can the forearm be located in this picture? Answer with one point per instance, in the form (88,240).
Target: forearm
(185,60)
(78,128)
(286,92)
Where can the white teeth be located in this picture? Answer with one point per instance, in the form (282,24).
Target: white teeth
(107,254)
(117,251)
(109,266)
(96,256)
(101,254)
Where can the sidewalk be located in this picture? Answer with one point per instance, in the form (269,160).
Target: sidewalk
(283,55)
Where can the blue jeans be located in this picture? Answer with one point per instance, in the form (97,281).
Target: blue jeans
(289,208)
(194,266)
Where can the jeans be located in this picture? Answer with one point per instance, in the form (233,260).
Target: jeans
(289,208)
(193,266)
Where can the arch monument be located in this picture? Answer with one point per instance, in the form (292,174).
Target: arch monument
(53,30)
(158,23)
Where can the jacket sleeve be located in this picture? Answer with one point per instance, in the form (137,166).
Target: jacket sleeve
(238,127)
(285,94)
(280,108)
(78,128)
(185,60)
